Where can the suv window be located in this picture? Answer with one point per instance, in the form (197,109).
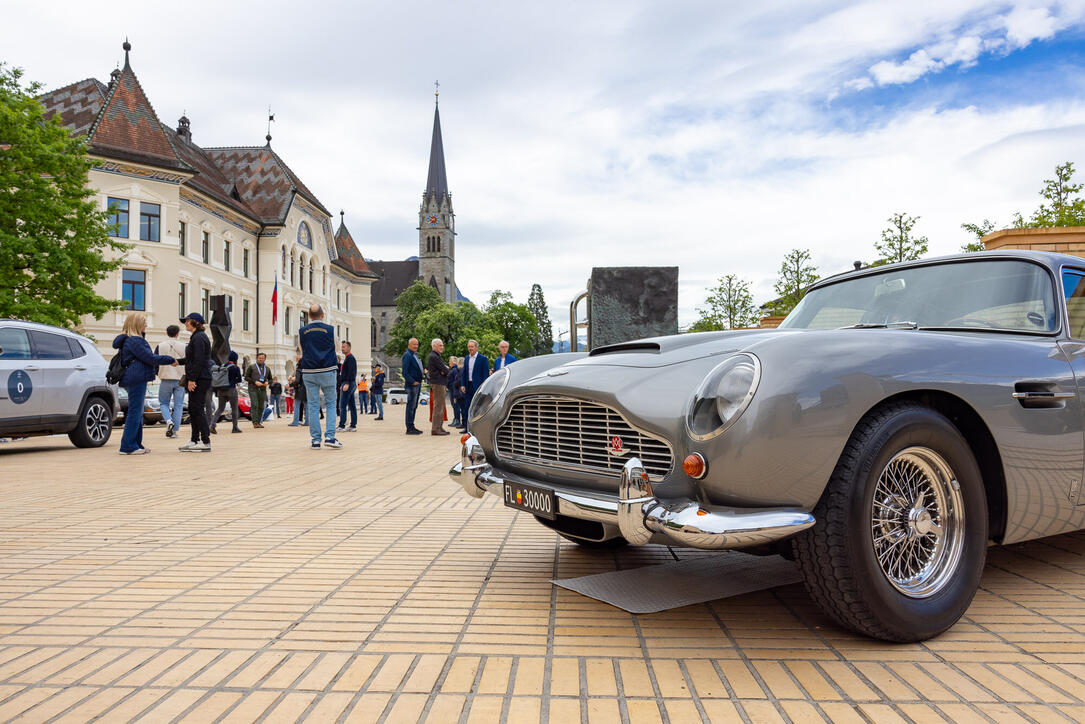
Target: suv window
(77,349)
(14,343)
(50,346)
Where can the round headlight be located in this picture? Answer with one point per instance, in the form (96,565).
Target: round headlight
(723,396)
(491,389)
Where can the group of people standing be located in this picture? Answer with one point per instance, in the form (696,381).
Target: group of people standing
(460,377)
(351,387)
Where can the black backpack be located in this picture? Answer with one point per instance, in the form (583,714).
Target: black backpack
(117,367)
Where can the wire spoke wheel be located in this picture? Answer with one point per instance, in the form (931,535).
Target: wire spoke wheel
(917,522)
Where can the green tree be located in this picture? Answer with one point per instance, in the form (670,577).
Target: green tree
(54,240)
(513,322)
(797,273)
(410,304)
(729,305)
(979,231)
(1063,207)
(544,338)
(897,243)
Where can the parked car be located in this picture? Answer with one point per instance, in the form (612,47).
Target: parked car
(901,418)
(398,396)
(52,381)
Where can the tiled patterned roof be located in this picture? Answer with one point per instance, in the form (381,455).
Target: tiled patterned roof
(393,278)
(77,104)
(209,178)
(263,180)
(349,257)
(127,126)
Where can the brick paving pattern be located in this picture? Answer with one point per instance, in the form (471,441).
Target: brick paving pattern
(268,582)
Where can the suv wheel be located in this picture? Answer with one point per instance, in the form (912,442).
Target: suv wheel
(95,424)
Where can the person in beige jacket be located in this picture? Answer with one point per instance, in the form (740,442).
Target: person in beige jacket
(170,392)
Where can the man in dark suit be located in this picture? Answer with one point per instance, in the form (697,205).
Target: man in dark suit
(503,358)
(476,368)
(412,379)
(347,374)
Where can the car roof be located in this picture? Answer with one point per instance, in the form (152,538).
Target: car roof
(39,326)
(1052,260)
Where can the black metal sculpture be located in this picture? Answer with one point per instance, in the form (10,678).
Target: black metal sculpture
(220,328)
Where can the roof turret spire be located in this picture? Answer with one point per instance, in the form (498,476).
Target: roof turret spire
(127,46)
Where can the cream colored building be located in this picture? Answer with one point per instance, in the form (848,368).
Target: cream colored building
(199,222)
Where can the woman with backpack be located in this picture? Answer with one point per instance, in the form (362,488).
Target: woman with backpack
(140,365)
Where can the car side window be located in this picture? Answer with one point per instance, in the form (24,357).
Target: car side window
(1073,287)
(14,343)
(77,349)
(50,346)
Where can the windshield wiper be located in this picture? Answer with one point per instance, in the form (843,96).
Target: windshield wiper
(885,325)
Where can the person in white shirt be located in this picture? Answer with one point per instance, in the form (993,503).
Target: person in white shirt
(170,393)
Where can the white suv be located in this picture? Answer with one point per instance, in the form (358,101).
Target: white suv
(52,381)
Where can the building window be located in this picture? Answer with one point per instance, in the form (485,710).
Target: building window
(149,217)
(338,332)
(348,301)
(182,302)
(304,318)
(310,277)
(205,247)
(301,274)
(293,270)
(205,304)
(134,288)
(348,334)
(182,241)
(244,315)
(324,281)
(118,217)
(286,319)
(338,298)
(245,263)
(226,255)
(230,303)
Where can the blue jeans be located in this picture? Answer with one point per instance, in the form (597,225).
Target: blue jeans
(346,402)
(276,404)
(316,383)
(363,402)
(172,397)
(414,392)
(377,400)
(299,410)
(132,438)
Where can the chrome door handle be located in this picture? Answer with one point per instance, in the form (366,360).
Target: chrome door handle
(81,368)
(1043,395)
(31,368)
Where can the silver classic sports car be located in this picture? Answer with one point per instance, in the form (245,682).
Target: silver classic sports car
(901,419)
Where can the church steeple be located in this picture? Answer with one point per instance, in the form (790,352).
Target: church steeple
(436,180)
(437,221)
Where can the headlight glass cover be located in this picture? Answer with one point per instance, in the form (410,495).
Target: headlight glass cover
(723,396)
(491,389)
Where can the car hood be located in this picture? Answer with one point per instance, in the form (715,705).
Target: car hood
(674,349)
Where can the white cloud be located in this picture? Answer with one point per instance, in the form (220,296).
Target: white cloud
(1023,25)
(916,66)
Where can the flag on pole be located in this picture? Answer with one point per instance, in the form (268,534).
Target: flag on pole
(275,302)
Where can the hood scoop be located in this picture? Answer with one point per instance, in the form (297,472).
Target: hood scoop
(626,347)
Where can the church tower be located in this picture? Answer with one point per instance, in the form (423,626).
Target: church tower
(437,222)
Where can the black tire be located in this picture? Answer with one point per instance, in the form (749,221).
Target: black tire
(95,424)
(840,566)
(608,544)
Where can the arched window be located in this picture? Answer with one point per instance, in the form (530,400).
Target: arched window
(324,282)
(312,263)
(293,269)
(284,262)
(373,333)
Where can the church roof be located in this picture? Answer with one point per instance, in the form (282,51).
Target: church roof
(209,178)
(263,180)
(349,257)
(436,179)
(394,278)
(77,104)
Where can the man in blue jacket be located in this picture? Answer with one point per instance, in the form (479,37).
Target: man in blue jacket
(412,379)
(503,358)
(347,376)
(320,368)
(476,368)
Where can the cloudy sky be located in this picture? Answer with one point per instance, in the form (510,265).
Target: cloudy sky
(714,136)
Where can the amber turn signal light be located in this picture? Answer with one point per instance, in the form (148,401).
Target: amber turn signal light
(463,437)
(695,466)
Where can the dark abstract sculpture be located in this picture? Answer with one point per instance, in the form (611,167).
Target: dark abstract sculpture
(629,302)
(220,328)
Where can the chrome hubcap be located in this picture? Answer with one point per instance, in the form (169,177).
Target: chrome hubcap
(917,521)
(97,422)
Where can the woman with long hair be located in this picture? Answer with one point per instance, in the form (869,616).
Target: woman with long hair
(198,377)
(141,365)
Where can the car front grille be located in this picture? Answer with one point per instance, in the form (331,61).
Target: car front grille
(564,432)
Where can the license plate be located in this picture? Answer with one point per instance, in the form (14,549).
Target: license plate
(537,501)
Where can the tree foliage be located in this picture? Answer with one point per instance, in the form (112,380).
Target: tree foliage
(797,273)
(979,230)
(544,337)
(898,243)
(513,322)
(54,240)
(410,304)
(1062,208)
(729,305)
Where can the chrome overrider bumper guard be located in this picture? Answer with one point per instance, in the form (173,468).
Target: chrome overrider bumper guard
(639,515)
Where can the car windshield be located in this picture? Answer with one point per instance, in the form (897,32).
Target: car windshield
(1007,295)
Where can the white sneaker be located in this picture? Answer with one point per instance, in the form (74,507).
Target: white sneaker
(333,443)
(169,429)
(137,451)
(195,447)
(352,429)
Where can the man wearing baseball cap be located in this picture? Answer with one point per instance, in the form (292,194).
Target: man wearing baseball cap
(198,374)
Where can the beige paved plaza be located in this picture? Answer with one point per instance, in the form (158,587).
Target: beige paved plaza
(268,581)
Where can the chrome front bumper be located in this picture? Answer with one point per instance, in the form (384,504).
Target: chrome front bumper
(640,516)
